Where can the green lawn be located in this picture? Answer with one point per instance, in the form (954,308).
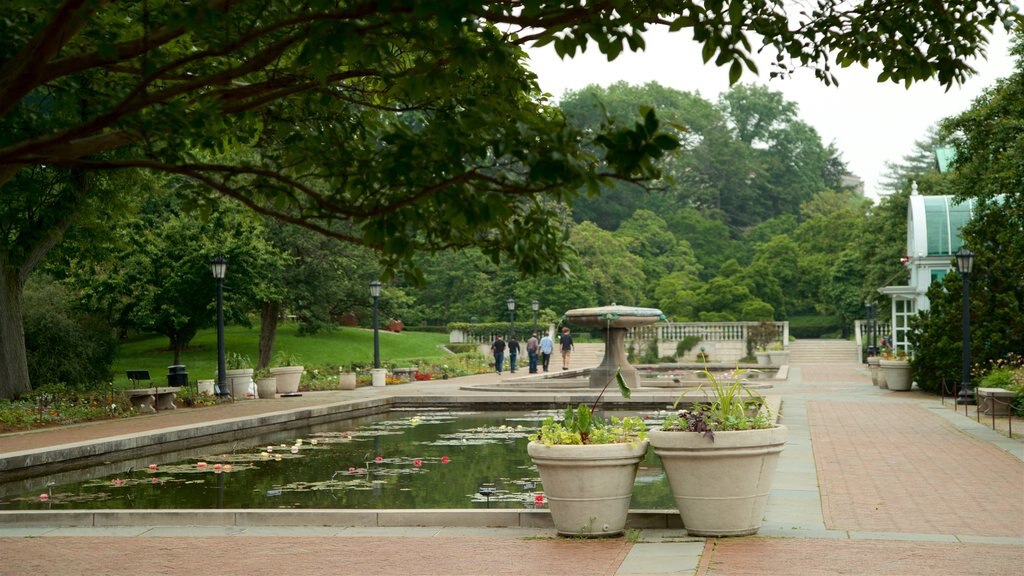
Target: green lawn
(340,347)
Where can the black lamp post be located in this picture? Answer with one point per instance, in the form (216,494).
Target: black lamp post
(219,266)
(536,306)
(870,327)
(375,292)
(964,264)
(511,317)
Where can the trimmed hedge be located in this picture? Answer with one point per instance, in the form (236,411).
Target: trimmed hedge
(814,326)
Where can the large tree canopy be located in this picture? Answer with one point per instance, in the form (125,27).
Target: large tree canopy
(401,126)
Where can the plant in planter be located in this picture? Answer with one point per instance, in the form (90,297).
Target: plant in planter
(347,378)
(238,376)
(266,383)
(894,368)
(720,458)
(762,336)
(288,371)
(588,467)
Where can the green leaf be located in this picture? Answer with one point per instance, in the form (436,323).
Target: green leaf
(623,389)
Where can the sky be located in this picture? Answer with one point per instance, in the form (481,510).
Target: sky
(870,123)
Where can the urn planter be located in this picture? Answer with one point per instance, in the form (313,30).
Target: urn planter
(873,367)
(240,383)
(720,486)
(763,358)
(778,357)
(266,388)
(588,487)
(287,378)
(897,374)
(347,380)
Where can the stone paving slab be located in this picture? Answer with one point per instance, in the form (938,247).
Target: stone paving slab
(807,557)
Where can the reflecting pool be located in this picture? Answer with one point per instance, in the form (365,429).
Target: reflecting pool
(415,459)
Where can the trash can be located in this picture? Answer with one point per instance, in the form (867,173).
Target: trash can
(176,375)
(378,376)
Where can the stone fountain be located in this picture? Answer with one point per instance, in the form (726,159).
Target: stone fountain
(614,321)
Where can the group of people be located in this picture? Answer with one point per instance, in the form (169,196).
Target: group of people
(538,351)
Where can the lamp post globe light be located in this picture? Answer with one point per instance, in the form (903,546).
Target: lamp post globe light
(965,264)
(375,292)
(536,306)
(511,303)
(219,267)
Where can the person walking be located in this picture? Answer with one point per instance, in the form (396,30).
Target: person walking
(513,353)
(498,349)
(532,351)
(565,343)
(547,346)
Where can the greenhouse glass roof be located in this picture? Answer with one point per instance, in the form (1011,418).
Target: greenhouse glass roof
(935,223)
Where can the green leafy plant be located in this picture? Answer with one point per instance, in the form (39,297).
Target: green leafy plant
(734,407)
(763,334)
(284,358)
(581,425)
(262,373)
(686,344)
(236,361)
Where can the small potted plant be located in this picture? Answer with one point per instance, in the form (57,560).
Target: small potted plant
(588,467)
(720,457)
(347,378)
(238,375)
(288,371)
(266,384)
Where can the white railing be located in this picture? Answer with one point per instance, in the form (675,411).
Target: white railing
(880,327)
(706,331)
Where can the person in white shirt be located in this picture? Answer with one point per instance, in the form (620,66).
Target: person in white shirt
(547,346)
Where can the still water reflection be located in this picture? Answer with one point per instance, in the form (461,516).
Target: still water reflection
(405,459)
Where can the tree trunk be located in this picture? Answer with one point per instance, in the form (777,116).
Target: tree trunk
(268,331)
(14,379)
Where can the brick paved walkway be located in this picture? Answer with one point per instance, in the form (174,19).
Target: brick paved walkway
(301,556)
(900,468)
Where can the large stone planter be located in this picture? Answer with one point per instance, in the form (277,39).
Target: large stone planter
(873,367)
(347,380)
(721,486)
(588,487)
(287,378)
(897,374)
(778,357)
(266,388)
(240,384)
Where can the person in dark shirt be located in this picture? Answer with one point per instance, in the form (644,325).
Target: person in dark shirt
(513,353)
(498,349)
(565,342)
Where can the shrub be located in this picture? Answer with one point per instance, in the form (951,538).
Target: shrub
(814,326)
(686,344)
(63,345)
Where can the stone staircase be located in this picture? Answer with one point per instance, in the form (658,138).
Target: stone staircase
(823,352)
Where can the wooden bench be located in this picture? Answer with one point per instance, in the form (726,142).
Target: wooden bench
(995,401)
(152,399)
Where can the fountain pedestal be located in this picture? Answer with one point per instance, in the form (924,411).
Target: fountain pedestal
(615,322)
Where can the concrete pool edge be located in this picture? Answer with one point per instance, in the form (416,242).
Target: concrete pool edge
(494,518)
